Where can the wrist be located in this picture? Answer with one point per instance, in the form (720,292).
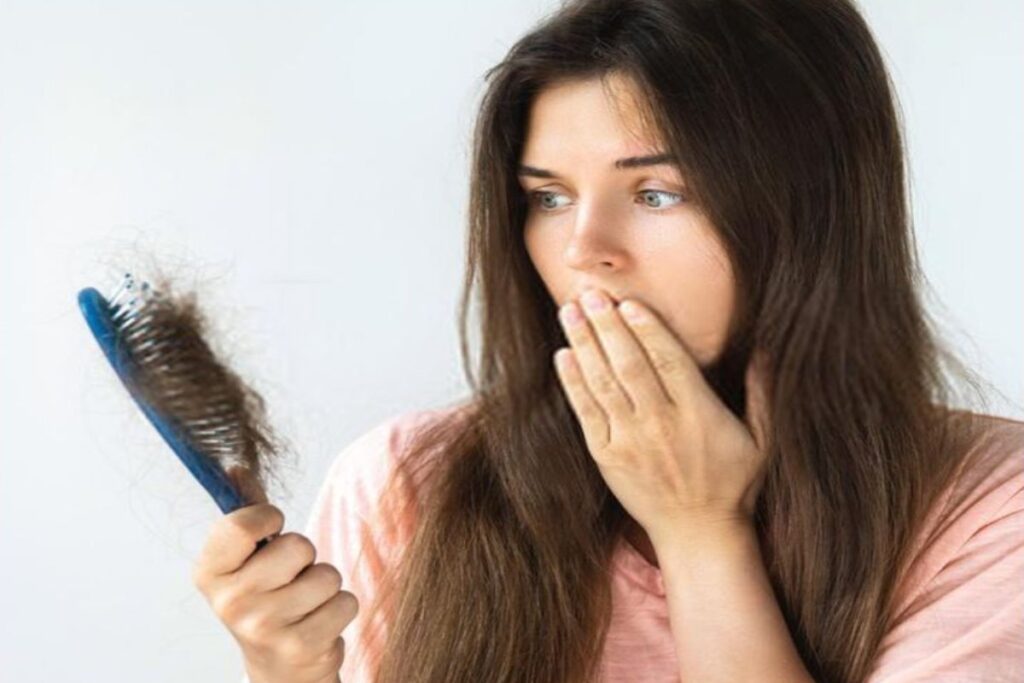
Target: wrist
(698,533)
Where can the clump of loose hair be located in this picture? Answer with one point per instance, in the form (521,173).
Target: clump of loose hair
(180,374)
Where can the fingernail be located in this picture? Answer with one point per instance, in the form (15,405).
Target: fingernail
(631,310)
(570,314)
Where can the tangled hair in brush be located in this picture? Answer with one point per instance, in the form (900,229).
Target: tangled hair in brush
(182,377)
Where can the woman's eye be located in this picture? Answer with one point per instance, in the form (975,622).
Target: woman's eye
(677,197)
(539,198)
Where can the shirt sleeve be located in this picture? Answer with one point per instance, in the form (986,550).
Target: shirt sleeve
(968,622)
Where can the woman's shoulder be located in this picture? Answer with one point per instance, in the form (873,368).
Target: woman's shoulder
(962,528)
(348,518)
(959,612)
(369,459)
(991,477)
(349,524)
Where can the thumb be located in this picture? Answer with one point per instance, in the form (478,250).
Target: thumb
(248,485)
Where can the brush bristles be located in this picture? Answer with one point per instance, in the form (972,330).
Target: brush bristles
(179,375)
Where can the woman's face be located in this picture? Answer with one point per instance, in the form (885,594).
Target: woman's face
(630,232)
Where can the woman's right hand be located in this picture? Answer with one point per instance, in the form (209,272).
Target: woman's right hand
(285,612)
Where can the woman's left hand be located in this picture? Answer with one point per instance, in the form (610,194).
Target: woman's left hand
(671,452)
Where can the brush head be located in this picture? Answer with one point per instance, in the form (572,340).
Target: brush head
(155,341)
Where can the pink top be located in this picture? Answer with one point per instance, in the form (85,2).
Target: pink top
(962,605)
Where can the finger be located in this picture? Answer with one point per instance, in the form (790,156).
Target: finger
(279,563)
(626,356)
(311,588)
(591,415)
(333,616)
(251,490)
(233,537)
(597,375)
(675,367)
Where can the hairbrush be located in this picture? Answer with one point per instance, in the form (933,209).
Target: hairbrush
(209,417)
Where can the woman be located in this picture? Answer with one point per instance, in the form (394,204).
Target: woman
(764,478)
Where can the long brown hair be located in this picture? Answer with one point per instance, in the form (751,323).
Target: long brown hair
(785,119)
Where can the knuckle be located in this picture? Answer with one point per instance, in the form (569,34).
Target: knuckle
(329,572)
(341,609)
(351,604)
(275,515)
(254,629)
(332,657)
(255,519)
(603,384)
(227,605)
(665,364)
(659,425)
(299,545)
(632,369)
(295,649)
(239,519)
(238,526)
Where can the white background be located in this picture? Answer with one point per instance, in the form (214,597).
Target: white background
(311,159)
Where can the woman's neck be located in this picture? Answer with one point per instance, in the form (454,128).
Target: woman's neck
(638,538)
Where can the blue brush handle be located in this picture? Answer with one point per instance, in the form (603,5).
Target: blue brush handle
(205,469)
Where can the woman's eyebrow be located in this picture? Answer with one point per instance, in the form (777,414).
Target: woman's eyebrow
(628,162)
